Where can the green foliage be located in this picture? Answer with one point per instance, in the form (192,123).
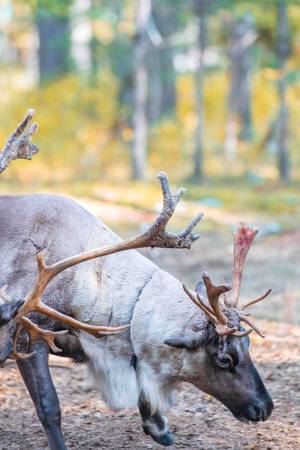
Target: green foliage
(54,7)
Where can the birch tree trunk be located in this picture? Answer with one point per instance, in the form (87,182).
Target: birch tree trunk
(239,124)
(201,7)
(54,42)
(283,52)
(94,47)
(140,126)
(165,16)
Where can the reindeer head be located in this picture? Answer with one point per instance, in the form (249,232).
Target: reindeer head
(216,359)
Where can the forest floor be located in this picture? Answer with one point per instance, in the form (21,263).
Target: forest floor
(197,420)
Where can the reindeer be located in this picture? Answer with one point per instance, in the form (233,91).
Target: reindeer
(70,281)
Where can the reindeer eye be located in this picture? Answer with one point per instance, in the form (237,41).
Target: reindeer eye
(225,362)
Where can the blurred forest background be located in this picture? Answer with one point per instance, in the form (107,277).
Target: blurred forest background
(207,90)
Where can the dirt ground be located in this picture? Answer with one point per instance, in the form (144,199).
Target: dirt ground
(198,421)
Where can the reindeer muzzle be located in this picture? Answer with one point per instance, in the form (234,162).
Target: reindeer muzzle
(255,412)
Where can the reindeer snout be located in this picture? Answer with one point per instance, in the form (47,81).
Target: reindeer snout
(259,411)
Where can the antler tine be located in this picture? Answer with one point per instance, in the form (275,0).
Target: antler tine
(18,145)
(188,230)
(15,354)
(222,328)
(169,200)
(197,300)
(251,324)
(243,239)
(33,303)
(256,300)
(242,333)
(213,295)
(35,333)
(165,239)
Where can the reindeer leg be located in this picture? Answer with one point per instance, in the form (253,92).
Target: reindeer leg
(36,375)
(154,424)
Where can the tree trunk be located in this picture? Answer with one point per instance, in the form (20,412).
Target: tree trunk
(239,124)
(165,19)
(94,46)
(54,43)
(140,91)
(283,133)
(201,7)
(283,52)
(155,87)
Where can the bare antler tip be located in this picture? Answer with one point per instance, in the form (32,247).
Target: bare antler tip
(186,290)
(162,175)
(242,225)
(31,112)
(199,217)
(194,237)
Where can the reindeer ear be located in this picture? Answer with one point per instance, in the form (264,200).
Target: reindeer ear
(189,341)
(200,289)
(9,310)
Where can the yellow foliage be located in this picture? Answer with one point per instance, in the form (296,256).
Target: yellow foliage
(265,101)
(167,148)
(264,108)
(80,133)
(103,30)
(76,127)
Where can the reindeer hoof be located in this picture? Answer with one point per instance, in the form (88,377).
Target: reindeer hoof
(165,438)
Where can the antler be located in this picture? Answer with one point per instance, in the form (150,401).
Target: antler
(214,311)
(213,296)
(243,239)
(19,144)
(35,333)
(156,236)
(256,300)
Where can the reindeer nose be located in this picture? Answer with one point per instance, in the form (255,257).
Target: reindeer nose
(268,409)
(259,411)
